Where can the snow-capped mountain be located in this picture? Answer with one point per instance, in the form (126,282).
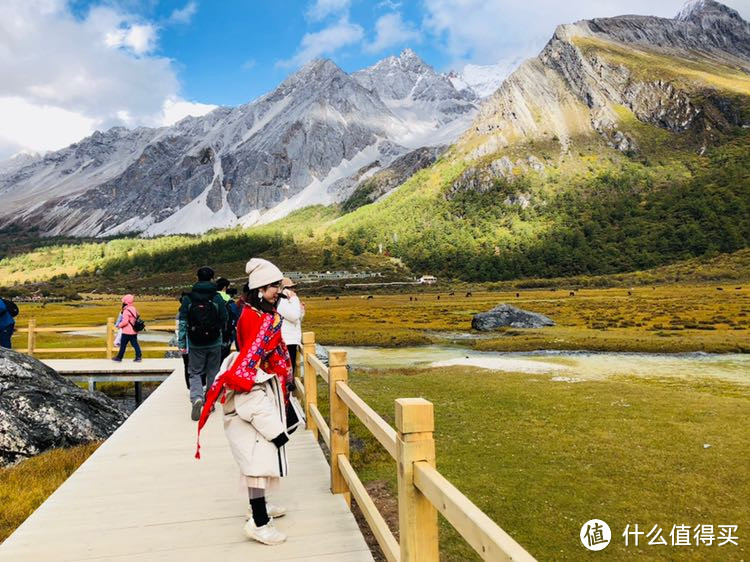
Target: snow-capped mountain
(242,165)
(484,80)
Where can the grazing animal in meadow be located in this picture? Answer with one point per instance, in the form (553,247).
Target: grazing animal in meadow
(328,298)
(518,295)
(337,298)
(369,297)
(452,293)
(738,288)
(719,288)
(630,293)
(468,293)
(572,293)
(411,299)
(438,297)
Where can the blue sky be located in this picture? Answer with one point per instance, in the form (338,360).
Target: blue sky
(70,67)
(228,52)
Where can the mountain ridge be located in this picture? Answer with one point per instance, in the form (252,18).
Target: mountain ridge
(281,151)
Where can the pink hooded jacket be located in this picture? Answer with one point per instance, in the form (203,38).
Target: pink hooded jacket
(129,314)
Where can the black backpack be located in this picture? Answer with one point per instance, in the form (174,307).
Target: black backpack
(139,325)
(11,307)
(204,326)
(230,327)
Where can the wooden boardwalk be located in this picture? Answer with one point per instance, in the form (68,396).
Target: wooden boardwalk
(142,496)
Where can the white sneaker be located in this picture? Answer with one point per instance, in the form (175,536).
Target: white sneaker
(267,534)
(274,511)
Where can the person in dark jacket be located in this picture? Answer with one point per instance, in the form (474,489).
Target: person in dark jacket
(7,325)
(202,317)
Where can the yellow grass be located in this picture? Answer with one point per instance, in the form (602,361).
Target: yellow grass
(664,318)
(25,486)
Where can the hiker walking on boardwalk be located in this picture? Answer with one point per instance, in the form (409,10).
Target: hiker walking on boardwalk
(130,324)
(202,317)
(8,312)
(254,388)
(230,328)
(292,311)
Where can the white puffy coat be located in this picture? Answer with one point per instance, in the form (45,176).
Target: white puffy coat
(292,313)
(251,420)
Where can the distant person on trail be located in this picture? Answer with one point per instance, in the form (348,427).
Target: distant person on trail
(230,328)
(8,312)
(255,389)
(131,324)
(185,356)
(202,317)
(292,310)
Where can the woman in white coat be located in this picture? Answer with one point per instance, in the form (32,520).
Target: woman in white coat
(292,311)
(254,386)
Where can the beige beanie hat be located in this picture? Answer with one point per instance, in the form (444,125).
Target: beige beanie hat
(261,273)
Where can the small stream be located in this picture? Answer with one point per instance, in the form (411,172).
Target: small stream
(568,366)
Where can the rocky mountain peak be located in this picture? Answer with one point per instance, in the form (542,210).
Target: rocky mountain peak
(698,10)
(317,71)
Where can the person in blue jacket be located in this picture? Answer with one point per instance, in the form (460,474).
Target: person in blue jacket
(7,325)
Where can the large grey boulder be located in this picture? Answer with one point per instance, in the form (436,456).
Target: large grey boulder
(40,410)
(506,315)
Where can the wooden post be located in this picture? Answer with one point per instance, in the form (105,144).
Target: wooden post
(417,517)
(338,422)
(32,337)
(138,393)
(311,381)
(110,336)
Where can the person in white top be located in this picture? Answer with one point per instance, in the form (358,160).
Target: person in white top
(292,311)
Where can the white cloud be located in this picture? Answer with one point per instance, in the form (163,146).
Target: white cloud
(391,31)
(141,39)
(325,42)
(38,128)
(486,31)
(184,15)
(64,77)
(249,64)
(321,9)
(176,109)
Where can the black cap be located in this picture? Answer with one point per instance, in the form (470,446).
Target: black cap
(205,273)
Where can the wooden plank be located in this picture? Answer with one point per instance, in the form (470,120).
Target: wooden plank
(319,367)
(128,501)
(310,380)
(481,532)
(338,372)
(321,424)
(52,329)
(69,349)
(300,390)
(116,378)
(377,524)
(417,517)
(383,432)
(110,337)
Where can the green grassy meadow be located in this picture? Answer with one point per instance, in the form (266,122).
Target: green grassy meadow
(543,457)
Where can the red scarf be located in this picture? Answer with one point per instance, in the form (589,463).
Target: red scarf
(267,351)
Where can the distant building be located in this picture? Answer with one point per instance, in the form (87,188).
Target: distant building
(428,280)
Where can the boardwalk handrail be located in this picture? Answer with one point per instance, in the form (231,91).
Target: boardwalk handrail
(109,332)
(422,490)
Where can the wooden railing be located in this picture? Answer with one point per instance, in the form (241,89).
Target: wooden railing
(422,490)
(109,332)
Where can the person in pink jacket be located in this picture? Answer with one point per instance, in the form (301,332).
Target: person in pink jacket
(127,324)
